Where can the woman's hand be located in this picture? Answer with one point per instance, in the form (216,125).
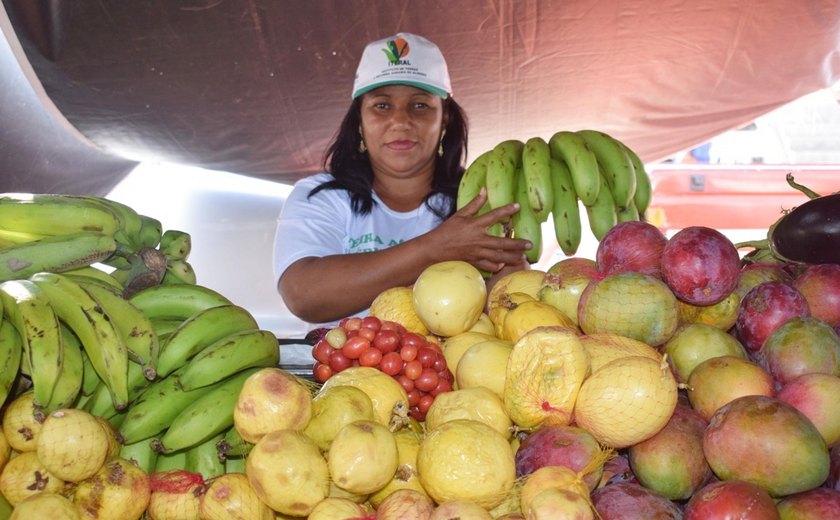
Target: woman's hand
(464,236)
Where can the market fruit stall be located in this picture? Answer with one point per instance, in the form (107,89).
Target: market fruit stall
(681,378)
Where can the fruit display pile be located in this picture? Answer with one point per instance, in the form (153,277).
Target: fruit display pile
(664,378)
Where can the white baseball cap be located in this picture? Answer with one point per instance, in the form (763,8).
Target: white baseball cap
(402,59)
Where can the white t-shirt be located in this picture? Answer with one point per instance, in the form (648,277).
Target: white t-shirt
(325,225)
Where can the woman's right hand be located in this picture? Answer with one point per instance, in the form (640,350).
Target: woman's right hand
(464,236)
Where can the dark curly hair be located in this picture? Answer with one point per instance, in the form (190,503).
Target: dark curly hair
(352,171)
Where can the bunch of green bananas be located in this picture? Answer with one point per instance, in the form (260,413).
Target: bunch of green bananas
(59,232)
(548,178)
(164,366)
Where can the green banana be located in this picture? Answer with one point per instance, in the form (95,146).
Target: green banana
(170,461)
(11,352)
(68,386)
(101,404)
(94,328)
(175,244)
(145,268)
(156,407)
(140,454)
(199,331)
(473,180)
(232,445)
(235,465)
(572,149)
(90,379)
(206,417)
(627,213)
(537,171)
(151,231)
(176,301)
(602,214)
(131,223)
(203,459)
(164,327)
(53,214)
(229,355)
(138,333)
(178,271)
(90,274)
(525,223)
(617,168)
(27,308)
(566,211)
(55,253)
(644,189)
(12,238)
(500,180)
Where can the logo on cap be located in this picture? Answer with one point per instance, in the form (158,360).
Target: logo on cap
(396,50)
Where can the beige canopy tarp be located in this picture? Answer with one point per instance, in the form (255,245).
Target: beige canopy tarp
(257,87)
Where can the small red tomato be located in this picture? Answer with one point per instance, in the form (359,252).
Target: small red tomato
(413,369)
(339,361)
(412,338)
(425,403)
(442,386)
(413,397)
(408,352)
(370,357)
(440,363)
(389,325)
(367,333)
(426,357)
(322,351)
(371,322)
(354,323)
(354,347)
(405,382)
(386,340)
(427,381)
(391,364)
(321,372)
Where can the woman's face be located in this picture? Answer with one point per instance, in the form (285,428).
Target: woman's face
(401,126)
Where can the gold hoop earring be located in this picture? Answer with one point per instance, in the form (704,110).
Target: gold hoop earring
(440,145)
(362,147)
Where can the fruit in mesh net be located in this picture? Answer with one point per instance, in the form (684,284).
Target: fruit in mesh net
(626,401)
(544,373)
(396,304)
(415,362)
(466,459)
(635,305)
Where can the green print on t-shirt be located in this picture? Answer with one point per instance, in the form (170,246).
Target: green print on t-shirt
(376,243)
(367,238)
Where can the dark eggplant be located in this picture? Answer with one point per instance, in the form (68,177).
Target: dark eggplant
(810,232)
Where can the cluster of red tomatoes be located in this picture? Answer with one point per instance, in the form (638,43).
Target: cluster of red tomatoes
(416,363)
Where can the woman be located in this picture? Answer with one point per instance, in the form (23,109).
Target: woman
(385,208)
